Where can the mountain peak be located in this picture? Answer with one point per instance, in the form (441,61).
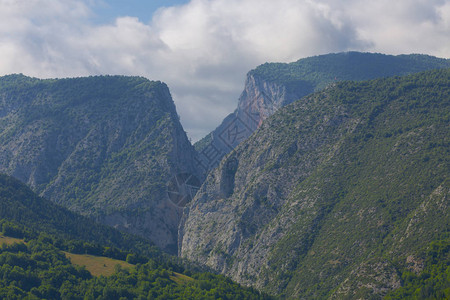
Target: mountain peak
(274,85)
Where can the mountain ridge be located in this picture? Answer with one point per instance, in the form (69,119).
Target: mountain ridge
(271,86)
(103,146)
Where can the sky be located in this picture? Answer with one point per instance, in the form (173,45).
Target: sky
(203,49)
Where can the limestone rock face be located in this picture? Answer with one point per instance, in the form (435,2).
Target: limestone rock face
(105,147)
(259,100)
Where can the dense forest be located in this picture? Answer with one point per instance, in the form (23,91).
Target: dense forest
(34,266)
(434,281)
(38,269)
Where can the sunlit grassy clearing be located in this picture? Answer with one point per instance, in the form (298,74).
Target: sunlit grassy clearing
(97,265)
(9,240)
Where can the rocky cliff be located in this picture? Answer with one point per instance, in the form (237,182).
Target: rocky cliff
(274,85)
(333,195)
(259,100)
(106,147)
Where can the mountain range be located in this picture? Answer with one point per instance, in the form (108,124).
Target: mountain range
(329,181)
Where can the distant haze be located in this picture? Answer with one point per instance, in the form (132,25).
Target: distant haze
(203,49)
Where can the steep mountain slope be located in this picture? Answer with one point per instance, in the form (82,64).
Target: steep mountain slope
(334,194)
(105,147)
(274,85)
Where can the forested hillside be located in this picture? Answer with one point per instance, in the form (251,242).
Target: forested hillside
(335,196)
(39,270)
(322,70)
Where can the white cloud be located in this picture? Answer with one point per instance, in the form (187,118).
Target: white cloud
(203,49)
